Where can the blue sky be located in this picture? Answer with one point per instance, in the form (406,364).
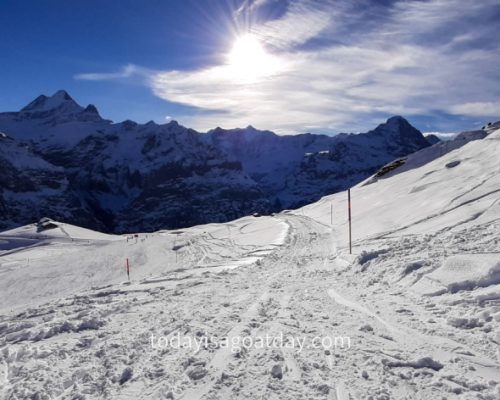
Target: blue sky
(309,65)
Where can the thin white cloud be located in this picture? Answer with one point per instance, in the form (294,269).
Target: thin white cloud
(477,109)
(126,72)
(301,23)
(442,135)
(249,6)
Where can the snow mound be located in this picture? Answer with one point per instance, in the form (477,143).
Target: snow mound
(462,272)
(48,228)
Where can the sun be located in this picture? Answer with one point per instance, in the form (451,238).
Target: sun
(246,50)
(248,60)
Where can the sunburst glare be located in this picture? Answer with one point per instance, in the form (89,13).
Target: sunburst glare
(249,61)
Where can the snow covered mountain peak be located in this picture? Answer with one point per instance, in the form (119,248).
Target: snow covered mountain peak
(396,124)
(398,131)
(36,104)
(59,108)
(174,125)
(396,119)
(91,109)
(62,96)
(60,99)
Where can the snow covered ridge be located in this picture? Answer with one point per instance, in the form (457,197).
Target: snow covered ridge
(57,254)
(418,298)
(437,149)
(74,166)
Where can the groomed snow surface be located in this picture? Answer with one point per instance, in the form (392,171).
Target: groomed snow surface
(413,313)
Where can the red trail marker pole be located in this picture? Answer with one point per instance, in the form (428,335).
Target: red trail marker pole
(128,269)
(349,212)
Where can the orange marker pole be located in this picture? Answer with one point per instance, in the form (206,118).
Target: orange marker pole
(128,269)
(349,211)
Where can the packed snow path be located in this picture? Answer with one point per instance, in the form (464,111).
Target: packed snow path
(97,344)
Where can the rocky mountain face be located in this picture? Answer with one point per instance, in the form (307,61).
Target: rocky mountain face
(64,161)
(299,169)
(432,139)
(31,187)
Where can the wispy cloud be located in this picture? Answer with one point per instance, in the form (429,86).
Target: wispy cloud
(249,6)
(125,72)
(442,135)
(302,22)
(345,61)
(479,109)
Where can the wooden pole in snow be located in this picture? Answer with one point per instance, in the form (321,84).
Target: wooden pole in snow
(349,211)
(128,269)
(175,249)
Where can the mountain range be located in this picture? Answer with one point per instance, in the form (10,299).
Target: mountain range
(64,161)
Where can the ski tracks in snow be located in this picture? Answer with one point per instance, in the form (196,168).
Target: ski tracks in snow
(305,288)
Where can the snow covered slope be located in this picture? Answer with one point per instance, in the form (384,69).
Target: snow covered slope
(122,177)
(428,154)
(413,313)
(457,188)
(64,259)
